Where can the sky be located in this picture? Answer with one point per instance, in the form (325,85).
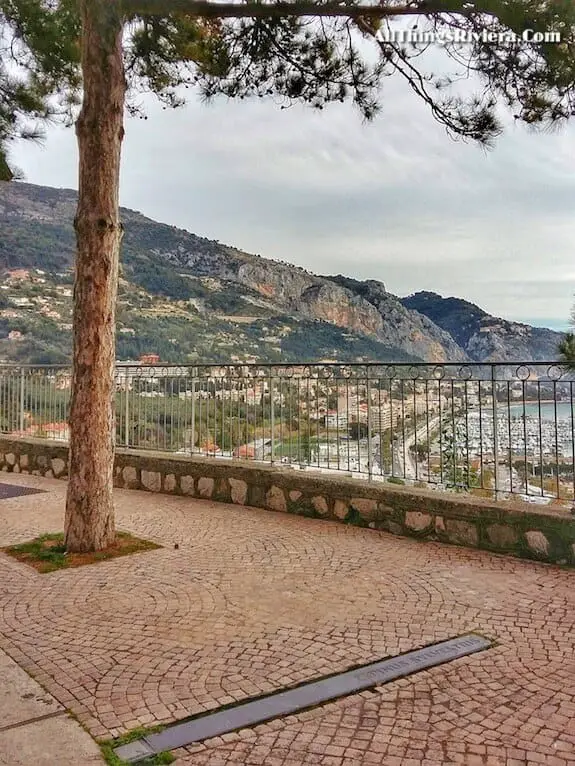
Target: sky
(395,200)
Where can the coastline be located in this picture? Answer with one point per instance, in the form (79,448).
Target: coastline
(536,402)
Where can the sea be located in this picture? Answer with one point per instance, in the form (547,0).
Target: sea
(564,410)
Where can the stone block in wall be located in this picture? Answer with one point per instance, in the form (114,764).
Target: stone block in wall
(152,481)
(418,521)
(537,543)
(239,491)
(11,458)
(320,505)
(366,508)
(439,524)
(461,532)
(24,461)
(275,499)
(205,487)
(187,485)
(340,509)
(502,535)
(58,466)
(295,495)
(16,469)
(170,483)
(130,477)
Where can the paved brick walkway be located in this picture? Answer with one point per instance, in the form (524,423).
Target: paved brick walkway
(252,601)
(34,729)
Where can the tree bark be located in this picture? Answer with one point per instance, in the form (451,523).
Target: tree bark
(89,524)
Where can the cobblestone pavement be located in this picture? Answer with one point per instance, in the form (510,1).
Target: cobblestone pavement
(252,601)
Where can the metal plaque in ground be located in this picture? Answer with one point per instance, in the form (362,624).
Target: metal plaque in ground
(305,696)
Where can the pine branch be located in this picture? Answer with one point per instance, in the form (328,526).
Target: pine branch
(566,350)
(208,9)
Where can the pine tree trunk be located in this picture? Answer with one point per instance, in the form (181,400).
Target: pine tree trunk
(89,504)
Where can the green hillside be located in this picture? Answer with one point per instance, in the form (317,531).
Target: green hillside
(163,306)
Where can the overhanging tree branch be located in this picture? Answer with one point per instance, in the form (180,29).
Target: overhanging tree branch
(207,9)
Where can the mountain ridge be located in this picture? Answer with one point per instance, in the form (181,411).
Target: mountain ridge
(270,310)
(482,336)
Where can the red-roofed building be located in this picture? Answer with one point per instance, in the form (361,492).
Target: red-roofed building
(149,359)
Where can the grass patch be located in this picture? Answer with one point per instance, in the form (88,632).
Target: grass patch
(107,747)
(47,553)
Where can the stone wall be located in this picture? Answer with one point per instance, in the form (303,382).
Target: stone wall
(516,528)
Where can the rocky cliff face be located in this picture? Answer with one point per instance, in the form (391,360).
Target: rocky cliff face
(482,336)
(362,307)
(498,339)
(304,294)
(420,335)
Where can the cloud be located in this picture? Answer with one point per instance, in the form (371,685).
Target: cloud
(395,200)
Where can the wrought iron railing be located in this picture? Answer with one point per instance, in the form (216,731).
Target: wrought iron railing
(490,429)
